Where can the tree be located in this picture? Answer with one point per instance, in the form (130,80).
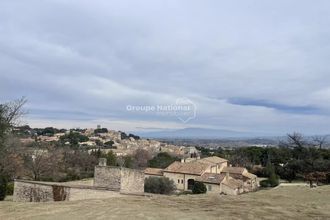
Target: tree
(162,160)
(199,188)
(141,158)
(315,177)
(296,139)
(273,179)
(111,158)
(109,144)
(9,115)
(3,187)
(39,164)
(128,161)
(159,185)
(320,141)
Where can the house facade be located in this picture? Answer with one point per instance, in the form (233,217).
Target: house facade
(214,172)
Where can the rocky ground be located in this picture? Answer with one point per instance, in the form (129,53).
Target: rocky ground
(285,202)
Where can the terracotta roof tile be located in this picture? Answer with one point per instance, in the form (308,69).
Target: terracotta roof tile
(235,170)
(213,160)
(153,171)
(194,167)
(211,178)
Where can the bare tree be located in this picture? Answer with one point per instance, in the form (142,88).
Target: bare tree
(320,141)
(315,177)
(296,139)
(9,115)
(141,158)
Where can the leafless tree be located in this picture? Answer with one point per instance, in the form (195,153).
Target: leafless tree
(9,116)
(315,177)
(141,158)
(296,140)
(320,141)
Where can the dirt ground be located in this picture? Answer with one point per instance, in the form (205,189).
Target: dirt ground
(287,202)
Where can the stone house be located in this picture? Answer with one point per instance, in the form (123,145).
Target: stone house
(212,171)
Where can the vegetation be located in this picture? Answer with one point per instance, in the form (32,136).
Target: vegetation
(3,187)
(73,138)
(100,130)
(199,188)
(124,136)
(141,158)
(111,158)
(109,144)
(159,185)
(162,160)
(295,159)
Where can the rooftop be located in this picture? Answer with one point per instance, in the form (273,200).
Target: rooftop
(194,167)
(153,171)
(213,160)
(234,170)
(211,178)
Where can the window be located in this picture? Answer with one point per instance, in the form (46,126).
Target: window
(182,181)
(178,181)
(209,188)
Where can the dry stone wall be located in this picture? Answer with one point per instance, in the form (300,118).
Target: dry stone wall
(33,191)
(129,181)
(132,181)
(106,176)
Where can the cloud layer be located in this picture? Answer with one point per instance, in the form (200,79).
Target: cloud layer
(247,65)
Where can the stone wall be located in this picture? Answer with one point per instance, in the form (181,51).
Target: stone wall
(132,181)
(29,191)
(33,191)
(106,176)
(122,179)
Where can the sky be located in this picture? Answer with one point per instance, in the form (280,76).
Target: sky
(247,66)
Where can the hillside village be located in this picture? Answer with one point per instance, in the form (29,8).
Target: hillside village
(120,143)
(186,168)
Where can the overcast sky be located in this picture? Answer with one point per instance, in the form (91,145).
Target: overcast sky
(260,66)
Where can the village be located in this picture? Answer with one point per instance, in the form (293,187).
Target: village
(215,173)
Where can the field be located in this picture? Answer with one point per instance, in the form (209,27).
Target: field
(285,202)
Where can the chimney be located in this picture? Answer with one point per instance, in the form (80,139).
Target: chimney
(103,162)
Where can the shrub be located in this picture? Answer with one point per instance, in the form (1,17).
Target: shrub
(3,187)
(199,188)
(159,185)
(273,180)
(10,188)
(264,183)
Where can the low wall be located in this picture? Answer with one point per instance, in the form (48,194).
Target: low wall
(132,181)
(127,181)
(34,191)
(106,176)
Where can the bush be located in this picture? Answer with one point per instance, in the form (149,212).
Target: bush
(3,188)
(273,180)
(264,183)
(159,185)
(270,182)
(10,188)
(199,188)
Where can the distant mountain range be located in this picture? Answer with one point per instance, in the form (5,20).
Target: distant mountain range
(198,133)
